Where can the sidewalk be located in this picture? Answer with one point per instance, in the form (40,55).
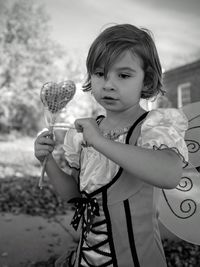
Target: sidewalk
(27,239)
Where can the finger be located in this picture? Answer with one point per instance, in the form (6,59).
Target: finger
(45,133)
(79,126)
(46,140)
(41,154)
(45,147)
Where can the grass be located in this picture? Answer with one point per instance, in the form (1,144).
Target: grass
(17,157)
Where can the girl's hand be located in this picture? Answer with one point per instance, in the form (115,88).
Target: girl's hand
(90,130)
(44,145)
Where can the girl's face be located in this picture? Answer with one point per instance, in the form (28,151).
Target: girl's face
(121,90)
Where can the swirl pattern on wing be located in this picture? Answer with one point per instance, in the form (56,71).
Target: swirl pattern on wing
(179,208)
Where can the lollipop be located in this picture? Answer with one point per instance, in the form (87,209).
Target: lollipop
(54,98)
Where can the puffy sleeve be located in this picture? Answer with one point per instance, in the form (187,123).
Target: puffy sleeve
(165,128)
(72,147)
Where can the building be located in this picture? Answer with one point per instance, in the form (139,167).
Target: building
(182,84)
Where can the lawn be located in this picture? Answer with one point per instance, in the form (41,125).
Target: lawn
(17,157)
(19,176)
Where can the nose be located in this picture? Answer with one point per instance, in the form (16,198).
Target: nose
(108,84)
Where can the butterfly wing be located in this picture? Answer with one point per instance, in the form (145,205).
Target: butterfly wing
(192,135)
(179,208)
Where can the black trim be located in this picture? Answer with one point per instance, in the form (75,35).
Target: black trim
(81,246)
(96,224)
(102,265)
(103,188)
(101,252)
(109,228)
(140,119)
(100,244)
(84,258)
(130,233)
(99,119)
(98,232)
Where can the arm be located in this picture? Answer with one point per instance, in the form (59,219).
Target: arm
(64,183)
(161,168)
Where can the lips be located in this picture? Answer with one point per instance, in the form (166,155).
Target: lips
(109,98)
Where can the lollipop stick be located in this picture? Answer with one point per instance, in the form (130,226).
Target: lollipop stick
(41,181)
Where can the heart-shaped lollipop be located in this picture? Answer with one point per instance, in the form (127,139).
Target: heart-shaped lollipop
(55,96)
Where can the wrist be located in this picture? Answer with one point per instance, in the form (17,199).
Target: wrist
(49,159)
(99,142)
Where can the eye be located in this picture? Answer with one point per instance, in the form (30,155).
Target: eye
(99,73)
(124,75)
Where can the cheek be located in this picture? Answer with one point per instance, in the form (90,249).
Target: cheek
(93,82)
(96,84)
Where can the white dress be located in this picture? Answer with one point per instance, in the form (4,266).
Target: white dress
(124,230)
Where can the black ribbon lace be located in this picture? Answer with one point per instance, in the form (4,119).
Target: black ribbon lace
(87,206)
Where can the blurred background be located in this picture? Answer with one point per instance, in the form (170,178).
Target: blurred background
(48,40)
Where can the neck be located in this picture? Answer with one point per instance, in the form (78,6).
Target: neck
(122,119)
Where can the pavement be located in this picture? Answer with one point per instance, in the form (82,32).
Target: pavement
(25,240)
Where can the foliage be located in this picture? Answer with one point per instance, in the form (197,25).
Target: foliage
(28,58)
(24,196)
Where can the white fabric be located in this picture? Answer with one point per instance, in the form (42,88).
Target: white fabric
(72,147)
(165,128)
(96,169)
(162,128)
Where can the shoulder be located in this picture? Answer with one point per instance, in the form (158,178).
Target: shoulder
(165,128)
(170,117)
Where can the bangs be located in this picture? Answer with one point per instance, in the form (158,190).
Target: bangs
(105,56)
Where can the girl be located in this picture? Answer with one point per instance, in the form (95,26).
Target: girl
(118,160)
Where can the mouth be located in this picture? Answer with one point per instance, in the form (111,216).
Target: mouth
(109,98)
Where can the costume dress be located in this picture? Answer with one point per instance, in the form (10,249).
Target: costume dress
(117,213)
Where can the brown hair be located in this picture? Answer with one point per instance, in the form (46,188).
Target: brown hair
(116,39)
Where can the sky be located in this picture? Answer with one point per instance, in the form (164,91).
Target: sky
(175,24)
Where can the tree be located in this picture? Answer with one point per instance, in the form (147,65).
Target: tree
(27,60)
